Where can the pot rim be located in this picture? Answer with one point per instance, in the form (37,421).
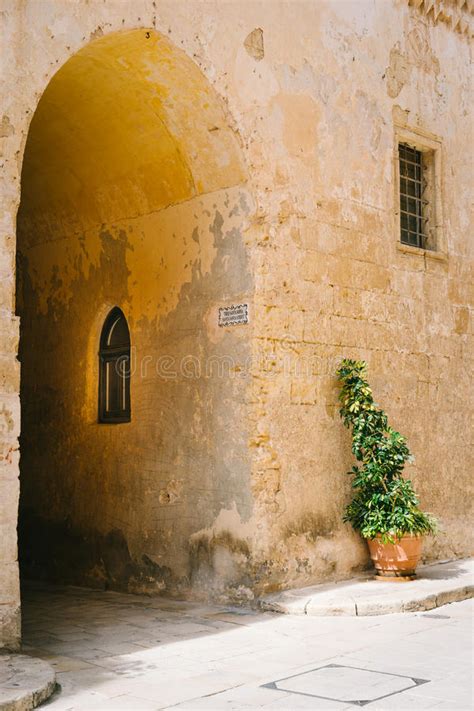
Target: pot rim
(400,538)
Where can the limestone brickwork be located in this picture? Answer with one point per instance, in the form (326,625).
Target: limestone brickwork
(175,158)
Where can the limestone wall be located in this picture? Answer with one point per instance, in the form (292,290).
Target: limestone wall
(312,94)
(332,279)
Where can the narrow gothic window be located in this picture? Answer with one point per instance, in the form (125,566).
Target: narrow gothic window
(114,365)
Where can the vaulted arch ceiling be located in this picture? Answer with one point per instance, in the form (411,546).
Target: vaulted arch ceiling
(128,126)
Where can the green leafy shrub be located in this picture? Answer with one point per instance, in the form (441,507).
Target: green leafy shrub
(384,502)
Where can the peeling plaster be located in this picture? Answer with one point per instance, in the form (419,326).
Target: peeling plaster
(254,44)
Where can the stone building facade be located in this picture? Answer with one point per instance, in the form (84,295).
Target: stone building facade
(174,159)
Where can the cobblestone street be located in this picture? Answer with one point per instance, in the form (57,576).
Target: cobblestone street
(115,652)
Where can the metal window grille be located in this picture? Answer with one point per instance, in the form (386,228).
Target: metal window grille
(412,203)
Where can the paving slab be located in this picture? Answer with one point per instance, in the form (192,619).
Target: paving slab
(25,682)
(435,585)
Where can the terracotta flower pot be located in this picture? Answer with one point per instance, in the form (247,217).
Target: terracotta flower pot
(396,561)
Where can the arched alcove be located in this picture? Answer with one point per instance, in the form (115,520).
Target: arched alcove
(133,195)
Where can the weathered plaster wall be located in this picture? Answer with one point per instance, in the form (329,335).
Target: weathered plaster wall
(331,279)
(314,95)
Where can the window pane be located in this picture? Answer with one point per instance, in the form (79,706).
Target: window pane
(107,386)
(114,361)
(412,188)
(413,223)
(410,169)
(403,203)
(411,206)
(115,389)
(118,334)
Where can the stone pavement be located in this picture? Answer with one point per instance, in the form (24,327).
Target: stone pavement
(435,585)
(115,652)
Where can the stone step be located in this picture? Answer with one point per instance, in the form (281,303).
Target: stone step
(25,682)
(434,586)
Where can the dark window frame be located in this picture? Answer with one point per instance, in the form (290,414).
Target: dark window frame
(114,375)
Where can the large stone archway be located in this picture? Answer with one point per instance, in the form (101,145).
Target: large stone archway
(133,195)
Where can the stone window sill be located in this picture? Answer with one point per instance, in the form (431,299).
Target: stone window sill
(430,253)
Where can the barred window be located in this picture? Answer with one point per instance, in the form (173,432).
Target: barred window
(413,202)
(114,369)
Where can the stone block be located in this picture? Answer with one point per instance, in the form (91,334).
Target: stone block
(8,541)
(9,335)
(9,517)
(461,319)
(315,267)
(9,584)
(350,332)
(10,624)
(348,302)
(7,295)
(9,416)
(316,327)
(303,391)
(9,373)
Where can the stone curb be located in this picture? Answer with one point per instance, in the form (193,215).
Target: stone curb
(437,585)
(25,682)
